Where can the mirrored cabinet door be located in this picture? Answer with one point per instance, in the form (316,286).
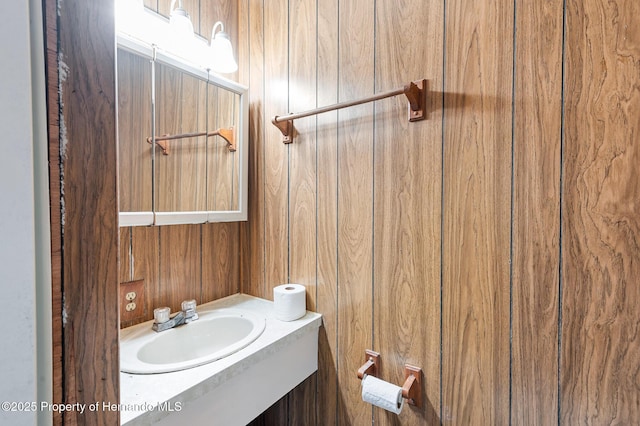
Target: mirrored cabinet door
(182,141)
(181,167)
(134,126)
(222,162)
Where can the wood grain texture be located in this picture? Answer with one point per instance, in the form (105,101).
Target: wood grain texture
(536,212)
(221,163)
(220,260)
(327,213)
(302,209)
(477,187)
(180,265)
(600,347)
(171,278)
(90,216)
(302,154)
(355,251)
(244,77)
(125,269)
(276,170)
(55,210)
(180,181)
(145,265)
(254,279)
(355,205)
(134,126)
(407,210)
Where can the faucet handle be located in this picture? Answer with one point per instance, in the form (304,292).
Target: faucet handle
(161,315)
(189,305)
(189,309)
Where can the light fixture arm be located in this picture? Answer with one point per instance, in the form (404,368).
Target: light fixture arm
(173,3)
(213,31)
(221,50)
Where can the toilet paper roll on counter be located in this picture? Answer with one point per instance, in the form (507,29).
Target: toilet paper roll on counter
(289,302)
(382,394)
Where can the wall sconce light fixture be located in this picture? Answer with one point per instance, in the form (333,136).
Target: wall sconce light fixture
(180,27)
(222,51)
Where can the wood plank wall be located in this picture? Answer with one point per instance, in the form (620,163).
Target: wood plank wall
(134,127)
(600,347)
(495,245)
(180,262)
(55,201)
(82,140)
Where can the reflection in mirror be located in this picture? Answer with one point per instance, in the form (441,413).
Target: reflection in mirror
(134,124)
(189,163)
(181,107)
(222,165)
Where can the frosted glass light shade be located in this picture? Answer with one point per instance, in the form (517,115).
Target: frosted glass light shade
(222,60)
(181,37)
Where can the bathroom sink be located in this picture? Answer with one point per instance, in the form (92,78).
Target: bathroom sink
(215,335)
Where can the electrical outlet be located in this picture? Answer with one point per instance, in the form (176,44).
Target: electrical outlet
(132,300)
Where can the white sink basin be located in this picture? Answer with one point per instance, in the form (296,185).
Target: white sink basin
(215,335)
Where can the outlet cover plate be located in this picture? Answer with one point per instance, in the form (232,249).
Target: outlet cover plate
(126,290)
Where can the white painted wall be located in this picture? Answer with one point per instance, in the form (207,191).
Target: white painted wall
(25,284)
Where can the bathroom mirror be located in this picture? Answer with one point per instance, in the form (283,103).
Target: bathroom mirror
(183,153)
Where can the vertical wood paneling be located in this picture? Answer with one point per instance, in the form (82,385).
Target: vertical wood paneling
(166,179)
(244,77)
(408,205)
(125,269)
(355,204)
(220,260)
(180,280)
(90,217)
(134,126)
(145,265)
(327,209)
(221,163)
(193,152)
(536,212)
(180,181)
(302,187)
(302,161)
(346,167)
(171,278)
(601,221)
(276,173)
(477,187)
(55,210)
(254,283)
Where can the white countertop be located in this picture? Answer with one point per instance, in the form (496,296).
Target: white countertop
(149,397)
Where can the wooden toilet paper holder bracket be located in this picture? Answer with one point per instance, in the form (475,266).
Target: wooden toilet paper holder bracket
(412,388)
(371,365)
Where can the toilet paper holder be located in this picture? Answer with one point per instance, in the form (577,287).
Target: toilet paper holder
(412,387)
(371,365)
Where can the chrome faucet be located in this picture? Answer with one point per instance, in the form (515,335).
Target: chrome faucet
(163,322)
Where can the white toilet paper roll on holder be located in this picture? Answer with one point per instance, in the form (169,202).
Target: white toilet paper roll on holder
(412,387)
